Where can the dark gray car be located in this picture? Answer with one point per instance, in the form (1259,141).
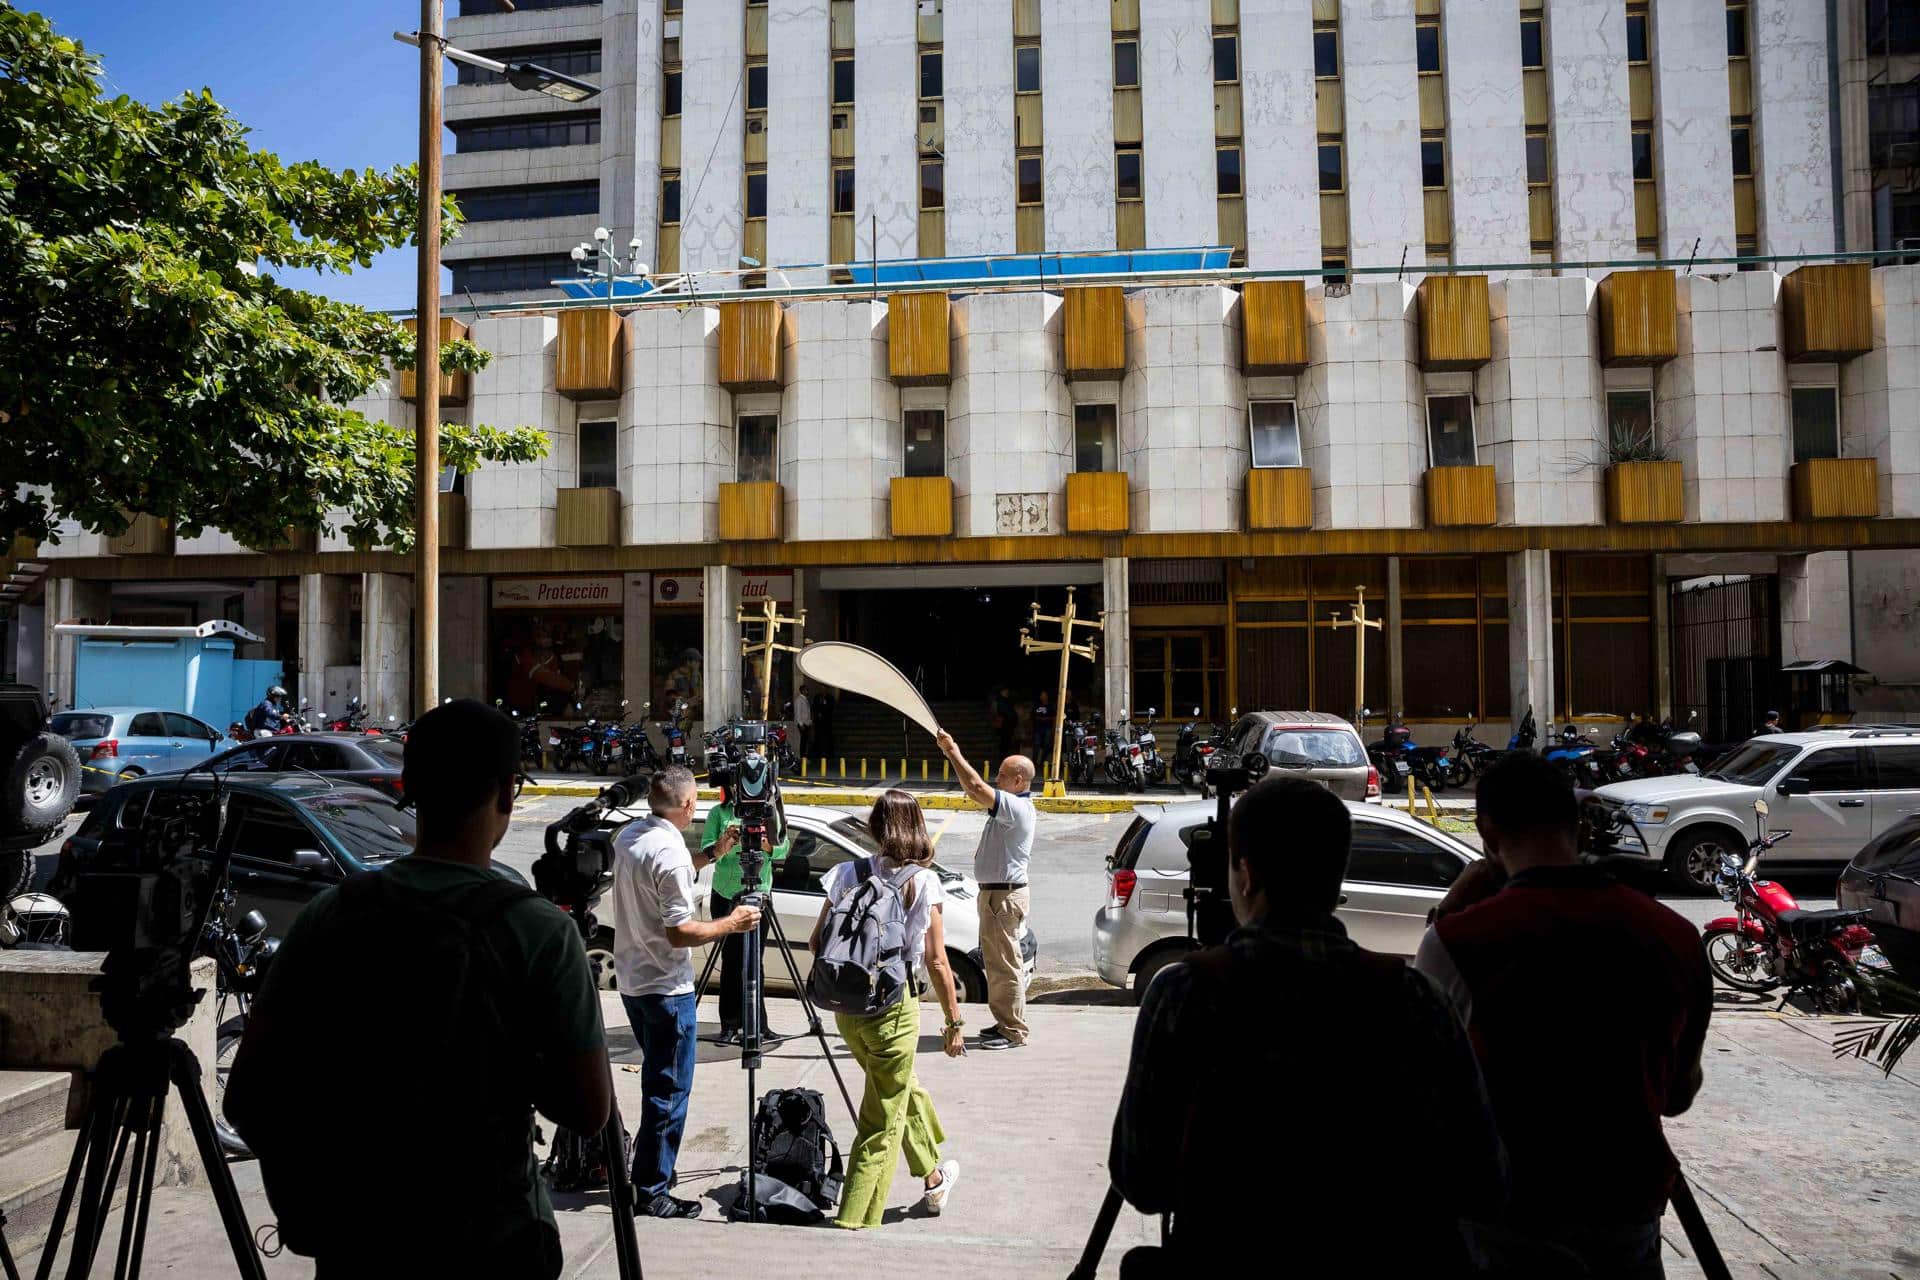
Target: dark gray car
(1312,744)
(1884,880)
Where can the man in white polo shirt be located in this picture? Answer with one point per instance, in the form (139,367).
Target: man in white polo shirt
(1000,865)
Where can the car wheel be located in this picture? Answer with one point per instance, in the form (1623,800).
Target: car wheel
(969,977)
(600,960)
(1692,860)
(16,873)
(42,782)
(1150,966)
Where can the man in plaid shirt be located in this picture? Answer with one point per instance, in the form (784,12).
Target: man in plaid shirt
(1293,1095)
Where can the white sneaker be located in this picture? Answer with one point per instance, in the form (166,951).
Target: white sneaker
(949,1171)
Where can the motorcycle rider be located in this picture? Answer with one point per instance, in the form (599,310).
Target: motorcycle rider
(265,719)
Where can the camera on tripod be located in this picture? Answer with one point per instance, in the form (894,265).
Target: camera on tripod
(740,758)
(1209,903)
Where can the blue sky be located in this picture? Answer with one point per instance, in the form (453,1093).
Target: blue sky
(320,80)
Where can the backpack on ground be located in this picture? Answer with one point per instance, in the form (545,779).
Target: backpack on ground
(797,1169)
(860,967)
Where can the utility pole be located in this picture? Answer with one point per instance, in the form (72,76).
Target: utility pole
(1068,650)
(426,373)
(1360,622)
(769,643)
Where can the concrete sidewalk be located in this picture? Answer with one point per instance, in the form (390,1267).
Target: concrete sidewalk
(1806,1166)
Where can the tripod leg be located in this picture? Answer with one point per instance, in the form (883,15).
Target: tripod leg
(143,1122)
(6,1255)
(814,1027)
(753,1153)
(706,972)
(626,1245)
(146,1184)
(1097,1238)
(186,1078)
(96,1193)
(82,1144)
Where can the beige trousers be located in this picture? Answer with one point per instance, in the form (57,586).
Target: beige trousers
(1001,913)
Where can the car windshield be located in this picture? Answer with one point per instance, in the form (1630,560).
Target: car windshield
(1313,747)
(856,831)
(82,724)
(1754,764)
(1891,853)
(371,828)
(389,752)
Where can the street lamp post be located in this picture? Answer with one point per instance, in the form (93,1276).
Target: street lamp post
(432,41)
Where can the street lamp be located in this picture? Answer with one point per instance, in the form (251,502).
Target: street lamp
(607,262)
(431,40)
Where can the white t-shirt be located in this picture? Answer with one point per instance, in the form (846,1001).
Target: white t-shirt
(919,884)
(652,889)
(802,710)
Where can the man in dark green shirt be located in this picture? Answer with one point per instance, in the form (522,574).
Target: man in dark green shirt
(728,885)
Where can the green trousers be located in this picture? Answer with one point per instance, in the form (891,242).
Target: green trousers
(895,1112)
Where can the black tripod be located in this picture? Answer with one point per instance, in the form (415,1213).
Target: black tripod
(6,1255)
(752,987)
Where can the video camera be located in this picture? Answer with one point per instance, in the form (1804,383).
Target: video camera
(740,758)
(1209,903)
(577,867)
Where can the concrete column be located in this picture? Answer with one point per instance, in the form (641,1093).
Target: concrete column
(323,638)
(386,646)
(260,614)
(463,637)
(69,600)
(636,646)
(720,654)
(1662,643)
(1530,636)
(1816,607)
(1396,677)
(1116,642)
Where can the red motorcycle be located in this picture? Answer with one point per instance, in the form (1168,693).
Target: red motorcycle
(1770,942)
(352,720)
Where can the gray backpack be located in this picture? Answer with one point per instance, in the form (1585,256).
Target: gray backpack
(860,966)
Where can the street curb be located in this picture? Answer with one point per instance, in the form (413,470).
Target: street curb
(935,800)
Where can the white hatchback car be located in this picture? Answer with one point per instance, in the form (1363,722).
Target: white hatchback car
(1399,869)
(822,839)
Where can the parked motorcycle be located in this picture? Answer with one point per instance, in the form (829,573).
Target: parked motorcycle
(641,755)
(1123,755)
(782,748)
(1081,747)
(1190,752)
(1574,754)
(300,721)
(352,720)
(532,745)
(1523,739)
(242,951)
(1471,757)
(1770,942)
(610,749)
(675,727)
(1153,767)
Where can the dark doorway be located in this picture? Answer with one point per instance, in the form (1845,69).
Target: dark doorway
(961,645)
(1726,657)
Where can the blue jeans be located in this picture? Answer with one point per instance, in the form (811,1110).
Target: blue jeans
(665,1027)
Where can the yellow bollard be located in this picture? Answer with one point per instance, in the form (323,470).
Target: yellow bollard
(1433,812)
(946,769)
(863,768)
(923,769)
(803,766)
(843,768)
(1410,801)
(903,768)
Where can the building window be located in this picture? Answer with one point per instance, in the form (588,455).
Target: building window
(1816,423)
(1332,178)
(1737,31)
(1127,184)
(526,133)
(510,275)
(1275,433)
(1096,437)
(1030,183)
(843,188)
(1630,431)
(1026,68)
(568,59)
(1326,53)
(1743,150)
(1636,37)
(1426,47)
(598,443)
(756,193)
(933,184)
(1533,49)
(1538,172)
(1226,58)
(842,82)
(669,199)
(1226,170)
(755,456)
(1433,163)
(1643,155)
(670,94)
(1450,431)
(926,441)
(1126,64)
(1334,268)
(932,74)
(544,200)
(757,86)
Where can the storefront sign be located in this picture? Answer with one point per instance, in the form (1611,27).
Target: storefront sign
(690,588)
(557,593)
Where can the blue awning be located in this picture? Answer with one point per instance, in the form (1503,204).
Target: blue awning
(585,289)
(1040,266)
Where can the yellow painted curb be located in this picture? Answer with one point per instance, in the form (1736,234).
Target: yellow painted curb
(935,800)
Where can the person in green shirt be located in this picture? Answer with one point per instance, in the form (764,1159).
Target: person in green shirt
(729,884)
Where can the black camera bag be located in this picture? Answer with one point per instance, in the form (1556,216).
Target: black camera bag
(797,1166)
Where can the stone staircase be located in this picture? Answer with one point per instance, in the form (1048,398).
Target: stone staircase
(863,728)
(35,1145)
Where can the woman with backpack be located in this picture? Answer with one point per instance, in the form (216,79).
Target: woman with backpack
(898,889)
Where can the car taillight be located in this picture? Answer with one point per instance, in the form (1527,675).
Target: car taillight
(399,785)
(1373,781)
(1120,888)
(105,748)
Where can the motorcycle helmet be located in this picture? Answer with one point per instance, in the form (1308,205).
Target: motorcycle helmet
(276,692)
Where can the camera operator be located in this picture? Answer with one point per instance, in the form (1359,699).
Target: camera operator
(410,1024)
(1252,1110)
(653,928)
(728,885)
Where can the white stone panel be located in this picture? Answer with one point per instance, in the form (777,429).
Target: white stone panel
(979,128)
(1183,411)
(1880,392)
(676,436)
(1722,406)
(1790,100)
(1538,413)
(886,130)
(629,103)
(713,52)
(1009,415)
(1486,134)
(1076,78)
(1281,172)
(513,504)
(840,439)
(1386,213)
(1362,407)
(1176,105)
(1592,129)
(1693,153)
(799,67)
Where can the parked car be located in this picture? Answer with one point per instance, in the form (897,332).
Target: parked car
(116,744)
(1884,880)
(822,839)
(1399,869)
(1311,743)
(1836,789)
(370,759)
(39,781)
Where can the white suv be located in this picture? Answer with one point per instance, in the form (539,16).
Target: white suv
(1835,789)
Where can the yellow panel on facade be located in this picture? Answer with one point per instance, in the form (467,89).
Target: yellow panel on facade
(1026,120)
(1646,211)
(1230,221)
(1226,13)
(587,518)
(1639,321)
(1026,19)
(1828,310)
(1739,87)
(590,362)
(1540,214)
(1639,93)
(919,338)
(933,233)
(1333,219)
(453,521)
(1326,10)
(1273,326)
(1439,222)
(669,255)
(755,149)
(1029,228)
(1836,488)
(1126,15)
(1533,87)
(1456,326)
(670,143)
(930,28)
(1460,497)
(1226,111)
(146,536)
(1096,332)
(1279,498)
(750,511)
(841,25)
(453,386)
(1097,502)
(1130,224)
(756,31)
(1126,116)
(753,239)
(840,137)
(840,238)
(1646,493)
(1433,102)
(750,345)
(1328,114)
(1746,220)
(922,506)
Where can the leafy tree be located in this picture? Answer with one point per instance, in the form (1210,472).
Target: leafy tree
(149,361)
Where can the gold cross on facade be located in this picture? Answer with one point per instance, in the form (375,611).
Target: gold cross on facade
(1359,621)
(1068,651)
(768,644)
